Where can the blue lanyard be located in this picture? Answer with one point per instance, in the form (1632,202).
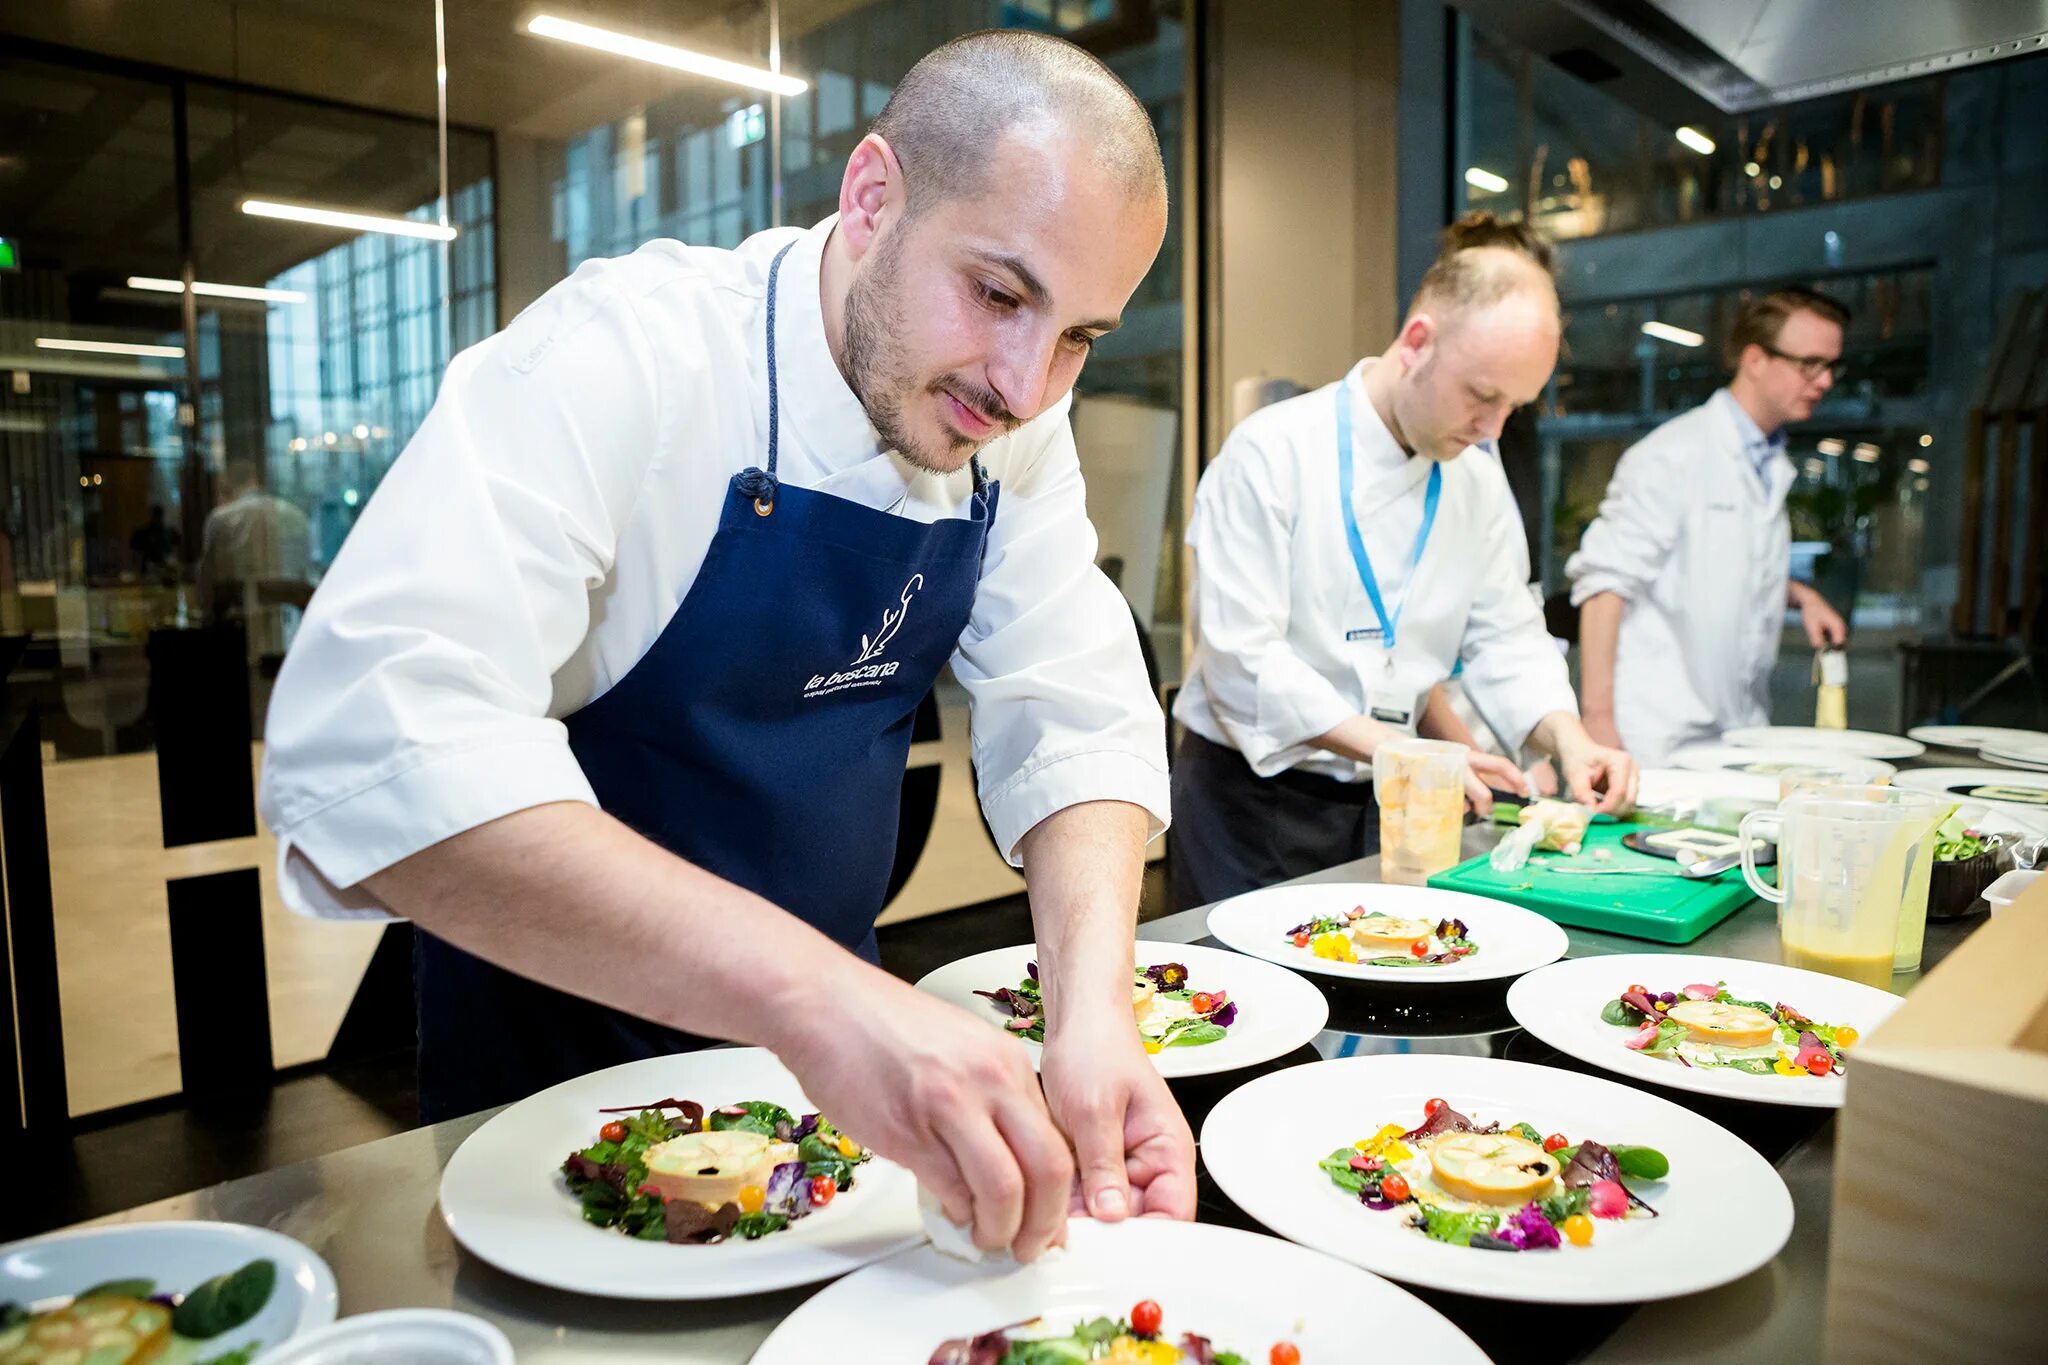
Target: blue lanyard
(1358,556)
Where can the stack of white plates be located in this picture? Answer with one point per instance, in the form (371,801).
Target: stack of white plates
(1860,743)
(2019,753)
(1975,739)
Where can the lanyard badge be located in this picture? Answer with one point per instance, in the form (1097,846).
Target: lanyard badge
(1387,701)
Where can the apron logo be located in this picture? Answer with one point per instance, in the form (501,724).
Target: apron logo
(864,671)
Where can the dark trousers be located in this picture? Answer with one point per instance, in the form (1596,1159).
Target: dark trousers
(1234,831)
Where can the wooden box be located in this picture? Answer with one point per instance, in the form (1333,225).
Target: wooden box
(1939,1244)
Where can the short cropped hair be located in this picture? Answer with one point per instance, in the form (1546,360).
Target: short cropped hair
(1759,320)
(961,97)
(1463,276)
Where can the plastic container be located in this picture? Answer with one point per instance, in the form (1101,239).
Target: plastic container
(2009,888)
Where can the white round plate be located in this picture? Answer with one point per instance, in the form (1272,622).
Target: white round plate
(1758,761)
(1972,738)
(417,1336)
(1242,1290)
(1963,784)
(2009,761)
(1277,1011)
(179,1257)
(2025,753)
(1511,940)
(1723,1210)
(504,1197)
(1862,743)
(1681,786)
(1561,1005)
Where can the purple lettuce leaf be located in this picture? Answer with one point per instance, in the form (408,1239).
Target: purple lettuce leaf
(1226,1016)
(1446,1120)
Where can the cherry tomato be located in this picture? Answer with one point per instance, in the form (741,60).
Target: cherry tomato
(1420,947)
(1284,1353)
(823,1187)
(1578,1230)
(1394,1187)
(613,1131)
(1636,990)
(1202,1003)
(1846,1037)
(1821,1064)
(751,1198)
(1430,1107)
(1555,1142)
(1301,940)
(1145,1318)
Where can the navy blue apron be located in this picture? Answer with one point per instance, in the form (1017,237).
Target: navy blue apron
(762,738)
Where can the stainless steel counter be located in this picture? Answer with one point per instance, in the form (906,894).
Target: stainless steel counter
(371,1210)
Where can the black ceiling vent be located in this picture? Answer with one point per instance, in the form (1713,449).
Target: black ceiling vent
(1588,65)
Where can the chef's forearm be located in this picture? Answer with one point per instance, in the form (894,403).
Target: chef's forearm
(1440,720)
(1599,630)
(1354,739)
(1560,733)
(568,896)
(1084,865)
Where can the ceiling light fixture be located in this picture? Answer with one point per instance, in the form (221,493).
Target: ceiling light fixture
(219,291)
(663,54)
(349,219)
(1695,139)
(1664,331)
(1479,178)
(111,348)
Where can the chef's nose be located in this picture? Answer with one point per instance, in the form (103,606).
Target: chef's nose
(1021,371)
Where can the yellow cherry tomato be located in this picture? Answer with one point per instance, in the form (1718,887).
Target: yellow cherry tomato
(1578,1230)
(848,1148)
(751,1198)
(1846,1037)
(1152,1044)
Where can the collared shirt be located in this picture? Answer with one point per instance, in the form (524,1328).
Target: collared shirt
(552,512)
(1286,638)
(1757,448)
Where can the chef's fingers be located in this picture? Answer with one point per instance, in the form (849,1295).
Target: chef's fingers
(1048,1174)
(1477,796)
(1095,1125)
(936,1170)
(1499,772)
(991,1172)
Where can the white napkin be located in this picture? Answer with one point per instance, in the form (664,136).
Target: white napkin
(951,1238)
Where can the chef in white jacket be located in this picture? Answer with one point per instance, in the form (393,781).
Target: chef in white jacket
(1683,579)
(610,691)
(1351,547)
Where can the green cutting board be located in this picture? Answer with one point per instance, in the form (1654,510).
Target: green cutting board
(1669,909)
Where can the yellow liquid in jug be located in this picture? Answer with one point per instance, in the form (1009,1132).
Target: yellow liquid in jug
(1871,971)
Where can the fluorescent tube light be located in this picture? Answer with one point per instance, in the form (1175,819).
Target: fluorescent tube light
(348,219)
(1664,331)
(111,347)
(662,54)
(1695,139)
(218,291)
(1479,178)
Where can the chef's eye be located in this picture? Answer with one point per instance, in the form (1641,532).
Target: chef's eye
(1081,341)
(996,298)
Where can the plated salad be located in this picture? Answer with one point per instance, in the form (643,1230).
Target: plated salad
(1136,1340)
(742,1171)
(1378,940)
(1705,1025)
(124,1322)
(1494,1188)
(1169,1014)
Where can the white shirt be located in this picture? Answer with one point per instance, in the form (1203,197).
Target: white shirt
(1276,592)
(1700,549)
(552,511)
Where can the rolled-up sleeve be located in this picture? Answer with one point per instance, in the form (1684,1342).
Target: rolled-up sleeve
(1626,547)
(1513,669)
(414,702)
(1267,698)
(1060,707)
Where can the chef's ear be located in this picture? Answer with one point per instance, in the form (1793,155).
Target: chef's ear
(871,193)
(1417,335)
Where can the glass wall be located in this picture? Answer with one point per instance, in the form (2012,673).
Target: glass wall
(1907,202)
(179,474)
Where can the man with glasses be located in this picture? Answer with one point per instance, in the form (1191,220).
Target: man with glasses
(1682,580)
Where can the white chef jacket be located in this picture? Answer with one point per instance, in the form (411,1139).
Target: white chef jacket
(546,521)
(1276,591)
(1699,546)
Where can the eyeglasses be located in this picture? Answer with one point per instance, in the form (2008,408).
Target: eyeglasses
(1811,366)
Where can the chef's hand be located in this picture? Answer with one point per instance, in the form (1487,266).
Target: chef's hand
(1825,627)
(1600,725)
(1131,1141)
(933,1089)
(1484,770)
(1599,778)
